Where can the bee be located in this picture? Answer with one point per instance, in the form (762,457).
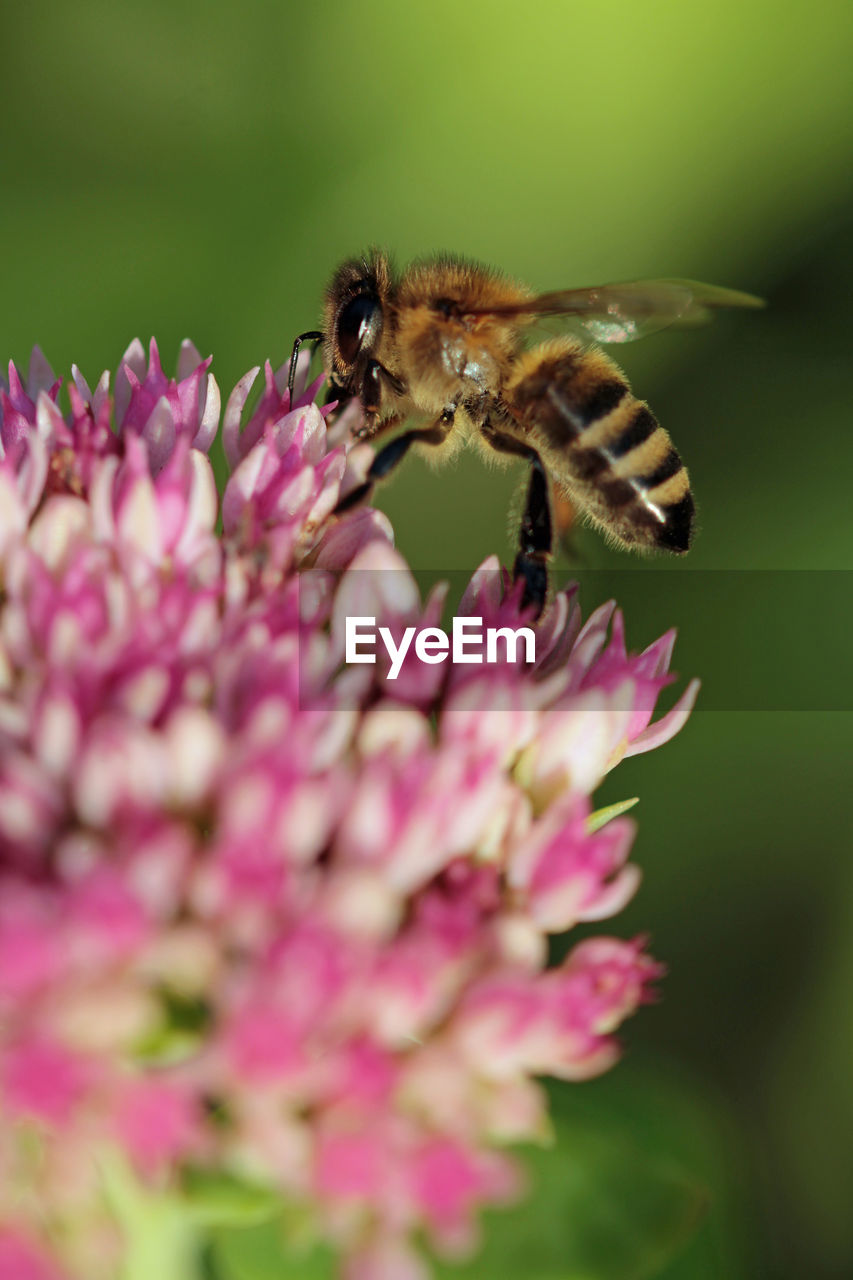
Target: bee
(445,344)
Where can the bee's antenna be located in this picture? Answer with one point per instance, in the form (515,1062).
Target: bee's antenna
(312,335)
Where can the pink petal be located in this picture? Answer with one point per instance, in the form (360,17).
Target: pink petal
(669,725)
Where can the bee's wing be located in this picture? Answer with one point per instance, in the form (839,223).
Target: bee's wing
(623,312)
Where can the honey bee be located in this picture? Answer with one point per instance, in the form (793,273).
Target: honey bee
(445,344)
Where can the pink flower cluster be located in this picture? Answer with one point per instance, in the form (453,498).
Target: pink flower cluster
(262,912)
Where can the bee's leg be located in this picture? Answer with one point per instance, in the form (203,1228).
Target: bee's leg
(371,401)
(535,537)
(374,426)
(312,335)
(371,394)
(393,453)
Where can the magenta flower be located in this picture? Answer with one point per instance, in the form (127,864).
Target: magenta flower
(262,911)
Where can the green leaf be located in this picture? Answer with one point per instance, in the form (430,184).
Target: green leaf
(599,1208)
(218,1199)
(162,1239)
(609,812)
(602,1205)
(266,1252)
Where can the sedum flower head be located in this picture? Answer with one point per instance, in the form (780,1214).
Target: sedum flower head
(262,912)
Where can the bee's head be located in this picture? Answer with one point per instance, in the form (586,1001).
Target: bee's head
(355,315)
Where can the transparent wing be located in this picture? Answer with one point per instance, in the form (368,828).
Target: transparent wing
(634,308)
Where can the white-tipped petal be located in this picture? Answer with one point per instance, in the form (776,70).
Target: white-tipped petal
(669,725)
(50,423)
(189,358)
(159,434)
(81,384)
(40,376)
(210,416)
(133,359)
(233,415)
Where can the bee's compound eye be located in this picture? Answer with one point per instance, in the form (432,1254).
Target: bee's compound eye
(358,324)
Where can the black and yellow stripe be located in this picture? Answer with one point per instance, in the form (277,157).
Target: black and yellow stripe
(603,444)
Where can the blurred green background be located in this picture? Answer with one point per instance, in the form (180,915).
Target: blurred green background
(185,169)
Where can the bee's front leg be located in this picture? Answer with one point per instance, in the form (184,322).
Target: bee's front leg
(374,426)
(392,454)
(312,335)
(375,375)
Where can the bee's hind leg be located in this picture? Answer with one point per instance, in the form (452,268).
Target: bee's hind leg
(392,454)
(535,537)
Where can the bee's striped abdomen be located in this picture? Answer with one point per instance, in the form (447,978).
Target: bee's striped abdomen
(603,444)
